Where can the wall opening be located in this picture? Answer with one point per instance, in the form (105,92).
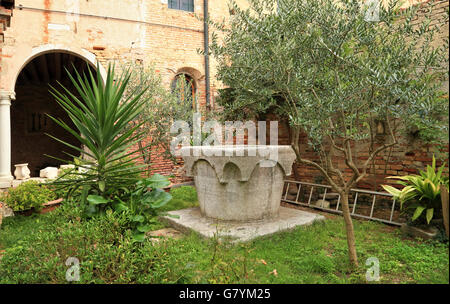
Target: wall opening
(29,120)
(184,86)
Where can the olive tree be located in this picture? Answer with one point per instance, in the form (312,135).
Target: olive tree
(163,105)
(332,72)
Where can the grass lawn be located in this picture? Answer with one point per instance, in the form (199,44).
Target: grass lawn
(34,250)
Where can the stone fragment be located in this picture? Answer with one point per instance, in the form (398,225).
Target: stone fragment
(22,172)
(428,234)
(65,167)
(161,234)
(49,172)
(322,203)
(5,211)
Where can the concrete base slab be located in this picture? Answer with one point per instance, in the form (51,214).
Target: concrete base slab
(191,219)
(5,185)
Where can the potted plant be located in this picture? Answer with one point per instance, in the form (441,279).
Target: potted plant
(422,196)
(29,197)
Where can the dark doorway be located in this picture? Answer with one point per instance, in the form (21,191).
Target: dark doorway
(29,120)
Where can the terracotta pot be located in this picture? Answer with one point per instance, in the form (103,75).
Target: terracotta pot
(50,206)
(28,212)
(47,207)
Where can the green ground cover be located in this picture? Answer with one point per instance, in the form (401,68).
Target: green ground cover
(34,250)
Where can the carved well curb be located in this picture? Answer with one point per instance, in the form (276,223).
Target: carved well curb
(239,183)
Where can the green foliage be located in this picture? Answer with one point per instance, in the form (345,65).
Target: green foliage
(332,74)
(320,65)
(37,247)
(28,195)
(161,108)
(422,192)
(140,204)
(182,197)
(101,117)
(63,191)
(137,204)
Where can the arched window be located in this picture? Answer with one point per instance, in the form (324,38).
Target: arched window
(184,87)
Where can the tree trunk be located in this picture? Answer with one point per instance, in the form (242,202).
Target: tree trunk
(349,229)
(291,140)
(444,199)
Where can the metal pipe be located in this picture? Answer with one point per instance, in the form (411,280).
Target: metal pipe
(206,48)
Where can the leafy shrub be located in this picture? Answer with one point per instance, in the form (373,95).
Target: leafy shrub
(37,247)
(109,178)
(141,203)
(422,192)
(28,195)
(101,117)
(137,204)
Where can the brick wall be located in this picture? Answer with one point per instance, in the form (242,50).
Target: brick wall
(143,30)
(408,157)
(5,17)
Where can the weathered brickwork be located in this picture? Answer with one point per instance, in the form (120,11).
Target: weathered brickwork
(105,31)
(5,17)
(149,32)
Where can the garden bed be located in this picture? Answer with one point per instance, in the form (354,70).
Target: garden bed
(36,248)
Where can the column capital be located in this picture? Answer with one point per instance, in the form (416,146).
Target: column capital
(6,97)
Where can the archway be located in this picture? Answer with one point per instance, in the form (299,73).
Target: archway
(29,121)
(183,85)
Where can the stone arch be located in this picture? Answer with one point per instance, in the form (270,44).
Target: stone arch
(21,62)
(197,78)
(194,73)
(29,113)
(231,172)
(192,168)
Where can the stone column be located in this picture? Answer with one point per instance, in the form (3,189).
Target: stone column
(5,138)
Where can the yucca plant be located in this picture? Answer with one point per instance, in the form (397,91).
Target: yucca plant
(421,192)
(101,119)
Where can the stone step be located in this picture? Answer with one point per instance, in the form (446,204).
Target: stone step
(322,203)
(291,197)
(330,196)
(293,189)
